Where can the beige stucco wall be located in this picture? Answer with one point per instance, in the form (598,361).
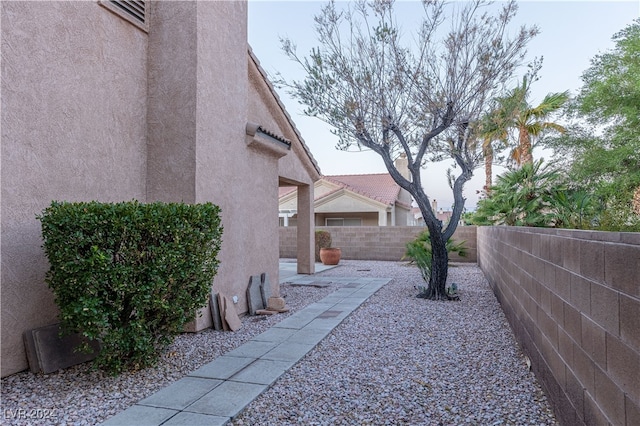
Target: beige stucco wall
(347,206)
(172,103)
(403,216)
(290,203)
(295,168)
(197,118)
(322,188)
(73,128)
(199,108)
(266,109)
(95,108)
(348,203)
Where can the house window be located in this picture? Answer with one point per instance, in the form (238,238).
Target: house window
(343,222)
(133,11)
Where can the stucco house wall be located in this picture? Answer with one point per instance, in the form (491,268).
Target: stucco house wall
(96,108)
(348,204)
(299,168)
(73,128)
(266,108)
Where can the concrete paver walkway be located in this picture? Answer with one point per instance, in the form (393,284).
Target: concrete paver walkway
(219,390)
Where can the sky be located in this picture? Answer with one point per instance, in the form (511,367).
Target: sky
(572,33)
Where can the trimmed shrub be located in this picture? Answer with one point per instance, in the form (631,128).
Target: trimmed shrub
(130,275)
(323,240)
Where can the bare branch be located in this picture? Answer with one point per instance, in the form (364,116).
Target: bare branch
(422,97)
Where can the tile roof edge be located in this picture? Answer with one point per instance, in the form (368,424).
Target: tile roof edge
(253,128)
(262,72)
(349,190)
(363,193)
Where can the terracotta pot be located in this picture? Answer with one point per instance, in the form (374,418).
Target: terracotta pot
(330,256)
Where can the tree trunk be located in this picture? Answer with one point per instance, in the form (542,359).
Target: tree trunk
(488,168)
(439,268)
(436,288)
(525,156)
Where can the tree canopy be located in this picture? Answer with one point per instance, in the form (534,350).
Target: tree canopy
(596,180)
(606,152)
(421,96)
(515,112)
(512,122)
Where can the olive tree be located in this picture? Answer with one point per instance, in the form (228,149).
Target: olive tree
(418,95)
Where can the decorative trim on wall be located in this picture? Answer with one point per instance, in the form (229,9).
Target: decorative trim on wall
(264,140)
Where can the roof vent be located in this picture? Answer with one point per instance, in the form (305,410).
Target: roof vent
(133,11)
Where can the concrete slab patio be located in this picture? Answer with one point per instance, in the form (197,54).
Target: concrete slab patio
(218,391)
(289,270)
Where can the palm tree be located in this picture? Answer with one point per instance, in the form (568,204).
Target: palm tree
(519,198)
(515,112)
(536,195)
(492,129)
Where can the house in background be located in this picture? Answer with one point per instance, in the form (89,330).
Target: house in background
(443,215)
(354,200)
(153,101)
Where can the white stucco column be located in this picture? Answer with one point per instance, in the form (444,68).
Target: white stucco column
(382,217)
(306,231)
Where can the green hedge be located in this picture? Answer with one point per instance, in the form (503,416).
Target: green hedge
(130,274)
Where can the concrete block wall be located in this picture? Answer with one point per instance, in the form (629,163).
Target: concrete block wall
(573,301)
(376,242)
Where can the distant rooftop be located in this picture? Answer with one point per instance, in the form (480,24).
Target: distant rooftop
(379,186)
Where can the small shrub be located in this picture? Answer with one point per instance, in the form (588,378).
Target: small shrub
(418,251)
(323,240)
(128,274)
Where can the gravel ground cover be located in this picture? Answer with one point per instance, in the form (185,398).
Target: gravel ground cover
(403,360)
(396,360)
(81,395)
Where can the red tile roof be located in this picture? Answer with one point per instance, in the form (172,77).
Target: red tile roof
(380,187)
(284,190)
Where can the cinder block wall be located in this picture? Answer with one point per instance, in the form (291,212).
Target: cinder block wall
(376,242)
(573,301)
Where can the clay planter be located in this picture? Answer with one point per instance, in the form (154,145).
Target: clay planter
(330,256)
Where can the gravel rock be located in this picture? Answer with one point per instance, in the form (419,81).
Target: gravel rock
(396,360)
(399,359)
